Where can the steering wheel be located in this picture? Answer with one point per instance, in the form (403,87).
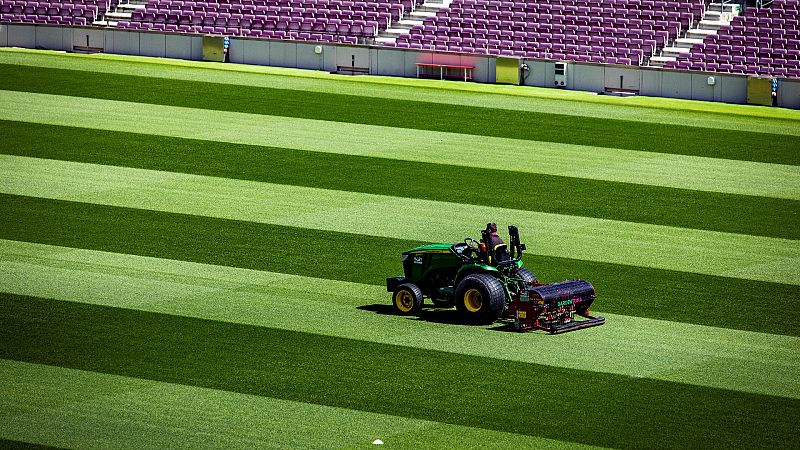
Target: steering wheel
(472,243)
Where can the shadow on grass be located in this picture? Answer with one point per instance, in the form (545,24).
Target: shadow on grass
(433,314)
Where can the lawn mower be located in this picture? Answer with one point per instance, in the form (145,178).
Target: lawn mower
(485,281)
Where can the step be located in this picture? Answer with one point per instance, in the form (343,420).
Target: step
(675,50)
(383,40)
(718,16)
(130,6)
(406,23)
(699,34)
(118,15)
(421,15)
(660,60)
(727,7)
(712,24)
(397,31)
(687,42)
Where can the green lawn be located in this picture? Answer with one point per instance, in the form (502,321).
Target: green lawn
(195,254)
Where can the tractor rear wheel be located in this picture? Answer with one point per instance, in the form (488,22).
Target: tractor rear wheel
(407,299)
(526,275)
(480,298)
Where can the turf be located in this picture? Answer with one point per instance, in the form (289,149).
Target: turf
(204,261)
(234,358)
(729,359)
(74,408)
(647,168)
(577,103)
(514,190)
(706,252)
(667,295)
(611,133)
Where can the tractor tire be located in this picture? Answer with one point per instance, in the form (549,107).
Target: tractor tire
(526,275)
(407,299)
(480,298)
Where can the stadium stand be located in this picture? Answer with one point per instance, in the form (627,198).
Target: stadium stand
(322,20)
(608,31)
(80,12)
(763,41)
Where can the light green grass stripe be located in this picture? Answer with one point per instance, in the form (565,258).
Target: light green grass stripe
(657,169)
(694,354)
(699,251)
(78,409)
(645,109)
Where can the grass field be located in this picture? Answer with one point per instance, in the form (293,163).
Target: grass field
(194,255)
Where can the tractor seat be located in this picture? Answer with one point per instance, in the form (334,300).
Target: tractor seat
(501,253)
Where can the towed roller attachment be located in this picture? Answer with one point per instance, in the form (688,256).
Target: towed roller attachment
(577,325)
(553,307)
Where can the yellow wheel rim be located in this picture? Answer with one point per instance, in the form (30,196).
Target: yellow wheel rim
(404,301)
(473,300)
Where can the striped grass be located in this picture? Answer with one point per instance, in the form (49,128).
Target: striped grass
(408,114)
(698,251)
(443,387)
(645,168)
(513,190)
(627,290)
(70,408)
(647,109)
(704,356)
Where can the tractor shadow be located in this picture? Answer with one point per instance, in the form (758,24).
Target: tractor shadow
(433,314)
(429,313)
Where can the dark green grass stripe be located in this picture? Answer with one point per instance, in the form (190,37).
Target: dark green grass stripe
(553,194)
(614,133)
(564,404)
(10,444)
(634,291)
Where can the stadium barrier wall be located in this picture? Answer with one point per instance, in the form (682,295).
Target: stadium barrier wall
(653,82)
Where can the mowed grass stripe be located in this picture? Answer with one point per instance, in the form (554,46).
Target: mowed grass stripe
(514,190)
(658,169)
(409,114)
(554,101)
(443,387)
(743,361)
(634,291)
(706,252)
(79,409)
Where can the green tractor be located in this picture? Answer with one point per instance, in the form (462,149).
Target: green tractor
(485,281)
(478,280)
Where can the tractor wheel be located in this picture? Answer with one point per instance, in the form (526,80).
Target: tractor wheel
(407,299)
(480,298)
(526,275)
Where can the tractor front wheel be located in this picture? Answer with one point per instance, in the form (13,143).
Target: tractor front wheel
(480,298)
(407,299)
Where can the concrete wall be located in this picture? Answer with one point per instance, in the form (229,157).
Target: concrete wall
(586,77)
(22,36)
(50,38)
(178,46)
(88,37)
(153,44)
(789,94)
(122,42)
(621,78)
(394,62)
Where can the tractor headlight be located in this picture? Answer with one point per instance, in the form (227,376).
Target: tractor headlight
(403,257)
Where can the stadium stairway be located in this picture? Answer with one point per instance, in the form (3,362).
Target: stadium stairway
(715,16)
(410,19)
(119,10)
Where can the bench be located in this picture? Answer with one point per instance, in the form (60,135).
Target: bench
(444,70)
